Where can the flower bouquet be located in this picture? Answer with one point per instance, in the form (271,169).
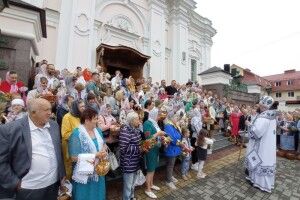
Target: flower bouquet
(148,144)
(185,149)
(165,140)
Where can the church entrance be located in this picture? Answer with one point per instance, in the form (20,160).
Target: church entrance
(125,59)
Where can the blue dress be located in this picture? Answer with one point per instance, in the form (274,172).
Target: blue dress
(92,190)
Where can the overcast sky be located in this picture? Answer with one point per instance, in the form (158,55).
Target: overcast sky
(262,35)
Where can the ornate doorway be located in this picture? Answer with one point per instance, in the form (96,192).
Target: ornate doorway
(126,59)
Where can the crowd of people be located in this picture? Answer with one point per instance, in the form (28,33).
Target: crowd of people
(59,131)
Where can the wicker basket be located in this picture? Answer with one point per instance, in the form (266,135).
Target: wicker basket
(115,130)
(291,155)
(102,168)
(51,98)
(208,120)
(281,153)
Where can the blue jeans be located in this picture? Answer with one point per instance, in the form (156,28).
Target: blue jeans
(128,185)
(185,165)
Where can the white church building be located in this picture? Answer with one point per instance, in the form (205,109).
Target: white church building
(173,39)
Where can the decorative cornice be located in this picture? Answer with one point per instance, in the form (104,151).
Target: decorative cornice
(21,14)
(202,24)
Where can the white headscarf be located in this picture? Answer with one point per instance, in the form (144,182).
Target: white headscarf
(153,114)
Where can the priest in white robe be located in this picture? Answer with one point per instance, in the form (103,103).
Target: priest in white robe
(261,151)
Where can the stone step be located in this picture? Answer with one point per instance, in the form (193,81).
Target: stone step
(221,141)
(221,144)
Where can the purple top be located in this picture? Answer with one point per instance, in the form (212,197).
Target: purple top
(130,154)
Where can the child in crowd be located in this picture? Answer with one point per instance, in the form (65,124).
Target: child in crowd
(186,156)
(203,141)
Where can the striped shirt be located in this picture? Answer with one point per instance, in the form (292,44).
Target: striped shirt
(129,143)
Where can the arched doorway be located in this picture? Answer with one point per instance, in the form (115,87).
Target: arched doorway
(126,59)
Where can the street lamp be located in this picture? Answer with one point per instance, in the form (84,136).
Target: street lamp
(3,4)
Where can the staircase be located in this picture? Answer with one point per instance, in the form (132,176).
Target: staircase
(221,141)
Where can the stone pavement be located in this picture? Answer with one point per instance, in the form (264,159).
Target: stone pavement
(225,180)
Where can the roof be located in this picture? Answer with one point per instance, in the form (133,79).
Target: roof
(250,78)
(292,75)
(288,75)
(128,54)
(28,6)
(213,70)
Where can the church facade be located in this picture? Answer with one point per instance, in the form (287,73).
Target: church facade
(177,39)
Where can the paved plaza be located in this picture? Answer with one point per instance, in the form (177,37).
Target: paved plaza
(225,180)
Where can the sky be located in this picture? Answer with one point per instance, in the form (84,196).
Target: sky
(261,35)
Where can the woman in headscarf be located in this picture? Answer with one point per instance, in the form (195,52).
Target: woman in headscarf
(70,121)
(41,89)
(261,150)
(152,130)
(110,99)
(173,150)
(106,120)
(130,153)
(17,110)
(11,84)
(63,108)
(196,126)
(148,106)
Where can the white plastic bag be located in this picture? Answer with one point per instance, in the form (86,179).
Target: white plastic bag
(112,160)
(140,179)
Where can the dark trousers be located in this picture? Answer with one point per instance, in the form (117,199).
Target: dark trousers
(194,153)
(47,193)
(170,168)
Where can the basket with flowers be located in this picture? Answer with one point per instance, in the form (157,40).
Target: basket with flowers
(148,144)
(185,149)
(50,97)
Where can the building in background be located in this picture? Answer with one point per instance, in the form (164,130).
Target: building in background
(22,30)
(286,89)
(255,83)
(177,39)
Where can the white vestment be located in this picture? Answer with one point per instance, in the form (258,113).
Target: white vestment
(261,151)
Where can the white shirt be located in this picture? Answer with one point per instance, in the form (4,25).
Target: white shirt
(43,171)
(207,141)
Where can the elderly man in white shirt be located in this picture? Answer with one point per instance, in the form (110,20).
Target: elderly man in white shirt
(31,165)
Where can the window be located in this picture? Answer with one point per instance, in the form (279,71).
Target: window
(290,94)
(277,83)
(290,82)
(193,70)
(278,94)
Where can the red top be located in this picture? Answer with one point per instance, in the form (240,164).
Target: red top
(5,86)
(234,120)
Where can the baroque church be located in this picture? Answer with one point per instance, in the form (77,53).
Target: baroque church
(163,39)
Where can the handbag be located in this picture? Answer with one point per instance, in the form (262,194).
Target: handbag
(140,178)
(112,160)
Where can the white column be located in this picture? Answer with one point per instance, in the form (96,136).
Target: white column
(179,46)
(76,36)
(157,40)
(64,33)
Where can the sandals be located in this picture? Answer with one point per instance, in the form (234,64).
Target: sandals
(151,195)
